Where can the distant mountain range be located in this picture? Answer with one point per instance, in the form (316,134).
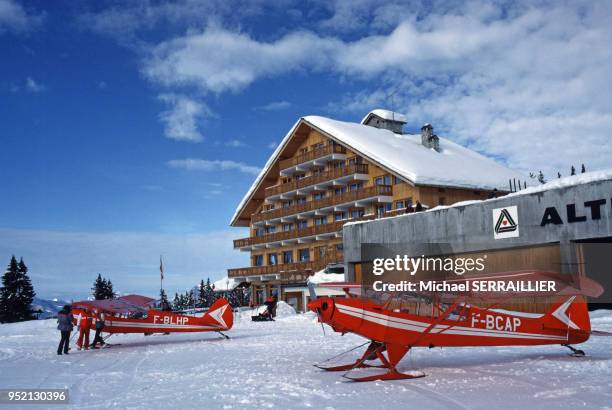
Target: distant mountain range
(49,307)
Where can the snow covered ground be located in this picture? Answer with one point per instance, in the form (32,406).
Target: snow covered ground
(269,365)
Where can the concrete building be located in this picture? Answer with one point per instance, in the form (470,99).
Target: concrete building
(562,226)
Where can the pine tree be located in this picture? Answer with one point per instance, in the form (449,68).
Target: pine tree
(109,293)
(176,302)
(573,171)
(98,288)
(102,289)
(163,299)
(541,178)
(583,170)
(189,300)
(201,295)
(16,294)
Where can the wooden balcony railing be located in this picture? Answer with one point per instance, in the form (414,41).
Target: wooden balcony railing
(317,179)
(359,194)
(312,154)
(295,233)
(287,268)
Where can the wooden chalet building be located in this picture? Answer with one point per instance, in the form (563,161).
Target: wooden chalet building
(325,173)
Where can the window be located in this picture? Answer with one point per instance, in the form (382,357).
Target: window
(316,171)
(321,220)
(396,180)
(260,232)
(321,252)
(383,180)
(300,176)
(272,259)
(357,213)
(288,257)
(304,255)
(356,186)
(355,160)
(340,191)
(408,202)
(381,209)
(339,247)
(317,196)
(318,145)
(340,216)
(271,229)
(302,224)
(258,260)
(287,227)
(301,200)
(399,204)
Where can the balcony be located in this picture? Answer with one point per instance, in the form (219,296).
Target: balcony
(330,201)
(288,235)
(334,174)
(327,152)
(284,270)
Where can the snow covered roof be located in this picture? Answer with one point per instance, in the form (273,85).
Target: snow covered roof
(403,155)
(385,115)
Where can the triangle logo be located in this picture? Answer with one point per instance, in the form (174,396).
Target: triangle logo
(505,222)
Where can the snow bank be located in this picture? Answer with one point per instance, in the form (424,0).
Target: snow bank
(283,309)
(270,365)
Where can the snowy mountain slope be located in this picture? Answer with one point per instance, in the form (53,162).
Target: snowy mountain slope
(269,365)
(49,307)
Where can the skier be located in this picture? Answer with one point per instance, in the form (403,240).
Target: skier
(99,327)
(64,325)
(84,325)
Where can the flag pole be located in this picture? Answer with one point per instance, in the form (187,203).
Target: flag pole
(161,274)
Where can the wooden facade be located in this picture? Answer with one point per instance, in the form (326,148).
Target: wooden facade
(295,215)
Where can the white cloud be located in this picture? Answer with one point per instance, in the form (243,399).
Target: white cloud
(515,80)
(182,118)
(13,17)
(235,143)
(33,86)
(275,106)
(193,164)
(272,145)
(66,263)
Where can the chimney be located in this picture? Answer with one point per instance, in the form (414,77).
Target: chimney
(428,138)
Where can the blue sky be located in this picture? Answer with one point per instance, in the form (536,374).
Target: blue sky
(131,129)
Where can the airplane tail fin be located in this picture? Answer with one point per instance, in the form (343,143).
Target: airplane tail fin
(221,312)
(570,313)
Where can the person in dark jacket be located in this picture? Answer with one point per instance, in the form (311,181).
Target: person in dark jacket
(64,325)
(418,207)
(99,328)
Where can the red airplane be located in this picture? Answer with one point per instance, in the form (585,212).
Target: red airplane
(450,320)
(134,314)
